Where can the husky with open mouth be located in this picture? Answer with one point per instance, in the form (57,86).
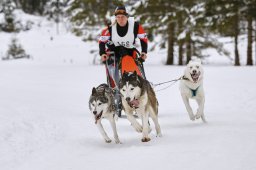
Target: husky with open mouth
(191,86)
(102,105)
(138,96)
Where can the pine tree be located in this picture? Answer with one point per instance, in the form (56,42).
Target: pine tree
(87,16)
(55,10)
(226,17)
(179,22)
(249,14)
(1,7)
(159,19)
(15,51)
(8,7)
(35,7)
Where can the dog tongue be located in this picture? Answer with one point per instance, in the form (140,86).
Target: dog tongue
(134,103)
(97,117)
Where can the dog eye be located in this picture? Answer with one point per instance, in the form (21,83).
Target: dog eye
(197,66)
(93,105)
(190,67)
(99,104)
(123,90)
(132,88)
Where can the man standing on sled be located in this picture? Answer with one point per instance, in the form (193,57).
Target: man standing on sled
(118,52)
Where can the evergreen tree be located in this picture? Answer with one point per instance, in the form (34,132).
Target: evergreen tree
(8,7)
(159,19)
(32,6)
(87,16)
(226,16)
(178,22)
(249,14)
(55,10)
(15,51)
(11,24)
(1,7)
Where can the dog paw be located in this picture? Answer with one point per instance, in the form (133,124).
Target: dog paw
(117,141)
(203,119)
(192,118)
(108,140)
(198,115)
(159,135)
(145,139)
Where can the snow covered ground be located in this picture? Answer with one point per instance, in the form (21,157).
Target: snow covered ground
(45,122)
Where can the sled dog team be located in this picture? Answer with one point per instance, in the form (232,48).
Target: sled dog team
(138,96)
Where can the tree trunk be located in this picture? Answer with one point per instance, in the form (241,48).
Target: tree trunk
(170,44)
(255,43)
(180,52)
(180,42)
(194,52)
(249,45)
(237,60)
(188,46)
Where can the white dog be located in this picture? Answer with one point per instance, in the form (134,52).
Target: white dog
(191,86)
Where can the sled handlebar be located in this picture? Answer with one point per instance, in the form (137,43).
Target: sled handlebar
(141,60)
(109,61)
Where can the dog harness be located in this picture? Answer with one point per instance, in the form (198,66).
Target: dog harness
(194,92)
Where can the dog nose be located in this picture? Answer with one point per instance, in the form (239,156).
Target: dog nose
(194,71)
(128,99)
(94,112)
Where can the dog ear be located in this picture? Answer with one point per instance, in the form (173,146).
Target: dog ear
(190,61)
(135,75)
(125,74)
(94,91)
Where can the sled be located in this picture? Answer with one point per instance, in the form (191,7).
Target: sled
(127,63)
(115,68)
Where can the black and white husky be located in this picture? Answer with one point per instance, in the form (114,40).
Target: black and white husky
(101,104)
(191,86)
(138,96)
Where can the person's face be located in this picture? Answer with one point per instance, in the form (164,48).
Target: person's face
(121,20)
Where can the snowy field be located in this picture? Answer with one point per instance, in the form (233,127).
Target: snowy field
(45,122)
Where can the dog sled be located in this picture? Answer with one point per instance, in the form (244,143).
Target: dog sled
(115,67)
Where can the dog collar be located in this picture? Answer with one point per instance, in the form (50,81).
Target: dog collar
(184,78)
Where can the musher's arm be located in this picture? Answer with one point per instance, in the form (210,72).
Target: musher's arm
(141,34)
(104,38)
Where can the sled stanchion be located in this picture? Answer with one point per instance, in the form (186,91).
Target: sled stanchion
(140,62)
(113,76)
